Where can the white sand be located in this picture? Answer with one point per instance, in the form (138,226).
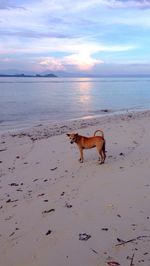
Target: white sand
(44,189)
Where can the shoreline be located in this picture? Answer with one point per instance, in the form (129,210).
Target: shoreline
(100,114)
(51,204)
(47,129)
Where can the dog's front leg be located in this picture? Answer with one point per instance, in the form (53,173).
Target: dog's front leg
(81,155)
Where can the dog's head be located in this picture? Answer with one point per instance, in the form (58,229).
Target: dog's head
(73,137)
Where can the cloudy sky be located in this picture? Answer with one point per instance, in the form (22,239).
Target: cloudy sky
(90,36)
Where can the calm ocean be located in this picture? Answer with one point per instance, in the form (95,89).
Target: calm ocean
(28,101)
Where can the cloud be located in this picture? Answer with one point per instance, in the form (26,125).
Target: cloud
(15,4)
(142,4)
(88,4)
(81,56)
(82,61)
(54,64)
(10,4)
(53,45)
(33,34)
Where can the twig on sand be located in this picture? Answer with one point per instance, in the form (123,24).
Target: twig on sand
(125,242)
(131,240)
(131,263)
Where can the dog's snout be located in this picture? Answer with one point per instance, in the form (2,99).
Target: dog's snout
(71,141)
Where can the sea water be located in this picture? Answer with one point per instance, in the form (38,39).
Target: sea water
(26,101)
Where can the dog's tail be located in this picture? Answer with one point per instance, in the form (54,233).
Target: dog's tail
(99,131)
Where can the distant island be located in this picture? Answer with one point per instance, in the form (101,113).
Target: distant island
(29,76)
(64,74)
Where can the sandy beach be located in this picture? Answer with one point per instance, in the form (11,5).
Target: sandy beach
(55,211)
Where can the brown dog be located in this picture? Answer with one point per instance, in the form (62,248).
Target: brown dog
(88,143)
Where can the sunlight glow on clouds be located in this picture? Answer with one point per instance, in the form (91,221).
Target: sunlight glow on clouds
(53,63)
(73,35)
(81,58)
(82,61)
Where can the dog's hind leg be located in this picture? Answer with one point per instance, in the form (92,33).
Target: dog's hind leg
(101,151)
(102,157)
(104,153)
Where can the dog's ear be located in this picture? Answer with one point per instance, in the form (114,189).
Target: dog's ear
(68,134)
(76,134)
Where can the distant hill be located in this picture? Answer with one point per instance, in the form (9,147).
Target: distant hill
(49,75)
(65,74)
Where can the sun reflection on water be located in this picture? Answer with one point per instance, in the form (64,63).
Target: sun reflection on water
(84,89)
